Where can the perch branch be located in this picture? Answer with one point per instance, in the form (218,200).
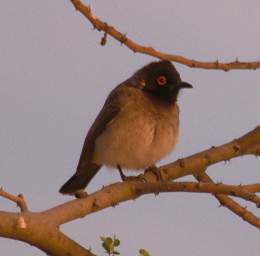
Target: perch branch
(135,47)
(195,163)
(33,227)
(188,166)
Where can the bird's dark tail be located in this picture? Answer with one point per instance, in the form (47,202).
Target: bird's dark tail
(78,181)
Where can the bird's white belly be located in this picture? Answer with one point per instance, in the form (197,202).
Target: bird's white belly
(135,141)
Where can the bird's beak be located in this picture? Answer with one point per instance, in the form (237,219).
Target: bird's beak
(185,85)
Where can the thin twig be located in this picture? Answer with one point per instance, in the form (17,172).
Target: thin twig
(135,47)
(232,205)
(19,200)
(198,187)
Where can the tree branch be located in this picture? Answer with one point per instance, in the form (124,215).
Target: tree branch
(40,229)
(232,205)
(40,232)
(120,192)
(197,162)
(135,47)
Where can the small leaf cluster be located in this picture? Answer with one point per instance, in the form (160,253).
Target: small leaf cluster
(110,244)
(143,252)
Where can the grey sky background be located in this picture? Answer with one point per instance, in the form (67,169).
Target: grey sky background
(54,79)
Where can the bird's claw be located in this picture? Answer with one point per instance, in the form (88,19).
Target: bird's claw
(153,169)
(81,194)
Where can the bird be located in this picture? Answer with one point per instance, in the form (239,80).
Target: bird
(137,126)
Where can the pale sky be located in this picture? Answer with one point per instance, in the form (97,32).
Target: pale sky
(54,79)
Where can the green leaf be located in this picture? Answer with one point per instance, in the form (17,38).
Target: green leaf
(116,242)
(143,252)
(106,247)
(108,240)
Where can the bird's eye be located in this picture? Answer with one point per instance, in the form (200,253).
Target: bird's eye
(161,80)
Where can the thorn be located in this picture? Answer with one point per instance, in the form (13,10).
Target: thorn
(103,40)
(181,163)
(156,193)
(114,204)
(104,37)
(192,64)
(123,39)
(226,69)
(236,147)
(95,205)
(227,161)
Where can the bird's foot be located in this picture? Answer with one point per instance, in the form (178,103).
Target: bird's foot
(81,194)
(153,169)
(135,178)
(130,178)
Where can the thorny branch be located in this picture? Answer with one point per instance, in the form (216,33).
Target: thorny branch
(42,229)
(135,47)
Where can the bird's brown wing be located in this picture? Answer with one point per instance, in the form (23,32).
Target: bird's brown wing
(86,169)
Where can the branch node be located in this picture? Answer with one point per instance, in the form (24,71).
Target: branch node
(95,206)
(21,222)
(236,148)
(192,64)
(19,200)
(22,203)
(181,163)
(123,39)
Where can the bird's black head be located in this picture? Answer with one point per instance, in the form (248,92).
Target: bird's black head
(161,80)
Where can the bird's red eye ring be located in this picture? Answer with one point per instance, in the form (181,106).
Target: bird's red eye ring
(161,80)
